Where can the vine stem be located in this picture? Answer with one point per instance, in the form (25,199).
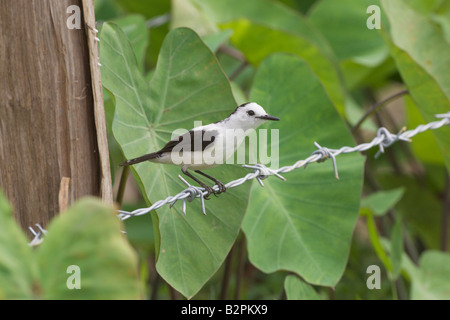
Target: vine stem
(375,106)
(122,185)
(227,275)
(240,267)
(445,213)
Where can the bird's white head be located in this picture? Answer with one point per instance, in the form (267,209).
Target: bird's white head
(248,116)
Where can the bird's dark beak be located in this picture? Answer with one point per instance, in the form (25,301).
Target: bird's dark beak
(269,117)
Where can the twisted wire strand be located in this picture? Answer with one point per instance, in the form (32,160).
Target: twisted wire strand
(384,139)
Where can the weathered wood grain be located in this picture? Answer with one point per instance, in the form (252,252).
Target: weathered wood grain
(47,126)
(99,109)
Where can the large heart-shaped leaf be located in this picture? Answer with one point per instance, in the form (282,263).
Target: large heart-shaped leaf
(188,85)
(88,237)
(85,240)
(305,224)
(296,289)
(137,32)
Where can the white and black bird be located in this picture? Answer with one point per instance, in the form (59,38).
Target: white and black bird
(210,145)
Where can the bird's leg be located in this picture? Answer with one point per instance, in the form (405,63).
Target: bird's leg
(208,188)
(221,186)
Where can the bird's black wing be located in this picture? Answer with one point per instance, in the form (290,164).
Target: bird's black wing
(193,140)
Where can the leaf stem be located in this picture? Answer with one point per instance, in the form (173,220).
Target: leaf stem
(394,289)
(375,106)
(240,267)
(122,185)
(226,275)
(445,213)
(238,70)
(376,243)
(236,54)
(155,286)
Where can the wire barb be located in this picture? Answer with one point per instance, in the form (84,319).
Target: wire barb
(326,153)
(262,172)
(387,139)
(193,192)
(445,116)
(38,235)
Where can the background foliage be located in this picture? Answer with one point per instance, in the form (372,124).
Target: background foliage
(317,66)
(86,236)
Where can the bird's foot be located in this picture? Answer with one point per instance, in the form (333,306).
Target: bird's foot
(209,190)
(221,186)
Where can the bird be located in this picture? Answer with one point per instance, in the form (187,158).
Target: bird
(208,146)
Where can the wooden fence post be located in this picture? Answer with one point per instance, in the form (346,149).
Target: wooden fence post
(52,127)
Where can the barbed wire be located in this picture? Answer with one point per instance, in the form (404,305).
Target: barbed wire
(38,235)
(383,140)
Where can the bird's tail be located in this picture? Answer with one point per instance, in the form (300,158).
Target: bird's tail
(140,159)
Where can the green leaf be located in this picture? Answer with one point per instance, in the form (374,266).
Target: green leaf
(213,41)
(188,85)
(442,17)
(377,242)
(428,96)
(302,6)
(357,76)
(18,269)
(355,112)
(140,232)
(88,236)
(265,12)
(185,13)
(263,27)
(412,206)
(304,224)
(106,10)
(380,202)
(423,6)
(424,145)
(431,282)
(343,23)
(296,289)
(396,247)
(423,61)
(150,10)
(427,48)
(361,51)
(248,36)
(136,30)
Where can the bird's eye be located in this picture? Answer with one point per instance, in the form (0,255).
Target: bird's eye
(251,113)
